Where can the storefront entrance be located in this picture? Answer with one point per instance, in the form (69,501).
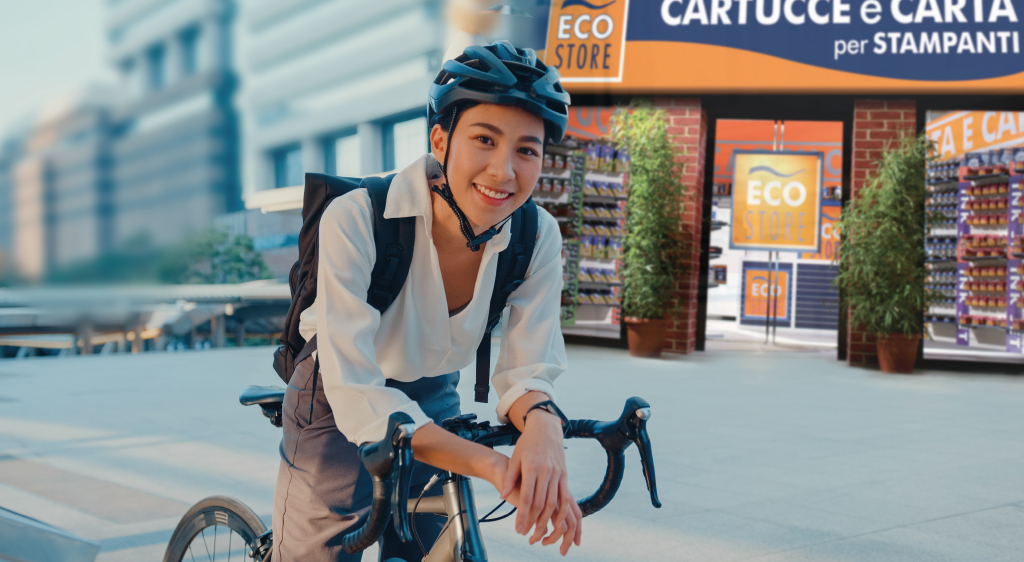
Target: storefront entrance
(782,297)
(747,289)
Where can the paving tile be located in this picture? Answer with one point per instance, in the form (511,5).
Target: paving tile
(109,501)
(783,513)
(895,545)
(1001,527)
(859,502)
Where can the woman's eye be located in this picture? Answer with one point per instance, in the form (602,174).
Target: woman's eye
(485,139)
(529,151)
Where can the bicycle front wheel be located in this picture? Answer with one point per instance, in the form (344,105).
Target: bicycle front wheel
(217,528)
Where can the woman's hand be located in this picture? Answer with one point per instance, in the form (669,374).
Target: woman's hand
(536,474)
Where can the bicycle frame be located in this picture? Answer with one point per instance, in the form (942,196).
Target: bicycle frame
(461,540)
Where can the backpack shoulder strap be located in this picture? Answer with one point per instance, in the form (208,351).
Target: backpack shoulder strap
(513,262)
(394,240)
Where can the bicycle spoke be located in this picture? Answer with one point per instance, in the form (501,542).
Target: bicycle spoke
(190,552)
(208,557)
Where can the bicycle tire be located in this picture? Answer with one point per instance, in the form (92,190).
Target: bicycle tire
(214,511)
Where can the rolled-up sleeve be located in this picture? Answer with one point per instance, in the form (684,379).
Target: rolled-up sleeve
(346,325)
(532,352)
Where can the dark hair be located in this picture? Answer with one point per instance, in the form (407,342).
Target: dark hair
(445,119)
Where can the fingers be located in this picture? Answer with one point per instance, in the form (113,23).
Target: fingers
(529,482)
(572,526)
(579,523)
(540,500)
(558,521)
(511,477)
(550,504)
(560,524)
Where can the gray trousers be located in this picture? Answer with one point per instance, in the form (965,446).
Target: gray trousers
(322,487)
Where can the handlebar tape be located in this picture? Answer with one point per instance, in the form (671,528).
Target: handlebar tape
(615,446)
(612,479)
(376,519)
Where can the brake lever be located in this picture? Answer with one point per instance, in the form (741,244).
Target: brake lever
(643,444)
(402,478)
(634,428)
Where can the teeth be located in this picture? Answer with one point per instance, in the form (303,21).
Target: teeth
(492,194)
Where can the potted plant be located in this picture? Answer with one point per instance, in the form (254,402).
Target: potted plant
(654,243)
(882,254)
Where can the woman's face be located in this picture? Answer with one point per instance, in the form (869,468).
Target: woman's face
(496,157)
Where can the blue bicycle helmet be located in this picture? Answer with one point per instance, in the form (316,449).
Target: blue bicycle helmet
(501,73)
(498,73)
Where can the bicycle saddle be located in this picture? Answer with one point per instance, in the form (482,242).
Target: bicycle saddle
(262,395)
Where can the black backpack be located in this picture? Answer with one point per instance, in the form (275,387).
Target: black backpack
(394,240)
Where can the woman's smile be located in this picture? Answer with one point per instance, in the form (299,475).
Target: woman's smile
(492,196)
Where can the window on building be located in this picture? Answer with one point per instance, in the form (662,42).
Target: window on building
(344,156)
(190,51)
(288,166)
(155,67)
(404,142)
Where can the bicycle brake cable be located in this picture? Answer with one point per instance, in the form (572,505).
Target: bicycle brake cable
(485,519)
(412,520)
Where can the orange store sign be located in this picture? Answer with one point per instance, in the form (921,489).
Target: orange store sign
(776,201)
(587,39)
(765,293)
(960,132)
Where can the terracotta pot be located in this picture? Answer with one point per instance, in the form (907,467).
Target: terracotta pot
(646,337)
(897,353)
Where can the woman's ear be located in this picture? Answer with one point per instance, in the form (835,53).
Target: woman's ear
(438,142)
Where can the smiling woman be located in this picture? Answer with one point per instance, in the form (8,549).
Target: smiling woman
(491,111)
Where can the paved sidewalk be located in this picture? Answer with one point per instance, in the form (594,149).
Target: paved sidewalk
(774,456)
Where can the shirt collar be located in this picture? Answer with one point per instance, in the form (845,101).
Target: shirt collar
(409,196)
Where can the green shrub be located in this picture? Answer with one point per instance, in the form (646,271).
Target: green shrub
(654,243)
(881,251)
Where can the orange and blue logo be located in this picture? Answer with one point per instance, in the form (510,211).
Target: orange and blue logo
(765,292)
(587,39)
(776,202)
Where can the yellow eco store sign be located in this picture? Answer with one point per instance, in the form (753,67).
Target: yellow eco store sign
(776,201)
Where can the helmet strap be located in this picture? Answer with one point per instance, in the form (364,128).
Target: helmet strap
(445,193)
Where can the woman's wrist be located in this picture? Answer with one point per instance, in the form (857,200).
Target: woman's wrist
(492,467)
(543,418)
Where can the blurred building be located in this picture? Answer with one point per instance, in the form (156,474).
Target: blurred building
(55,182)
(332,86)
(176,144)
(9,150)
(156,157)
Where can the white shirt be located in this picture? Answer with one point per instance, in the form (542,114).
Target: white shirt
(359,348)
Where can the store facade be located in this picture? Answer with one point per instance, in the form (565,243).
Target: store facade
(833,77)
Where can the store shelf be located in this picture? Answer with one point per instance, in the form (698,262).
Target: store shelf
(986,179)
(975,326)
(598,285)
(982,258)
(943,186)
(603,219)
(602,199)
(551,197)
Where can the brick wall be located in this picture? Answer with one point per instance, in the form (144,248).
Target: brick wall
(875,123)
(688,127)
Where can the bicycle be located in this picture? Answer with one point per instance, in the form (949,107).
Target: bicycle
(390,463)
